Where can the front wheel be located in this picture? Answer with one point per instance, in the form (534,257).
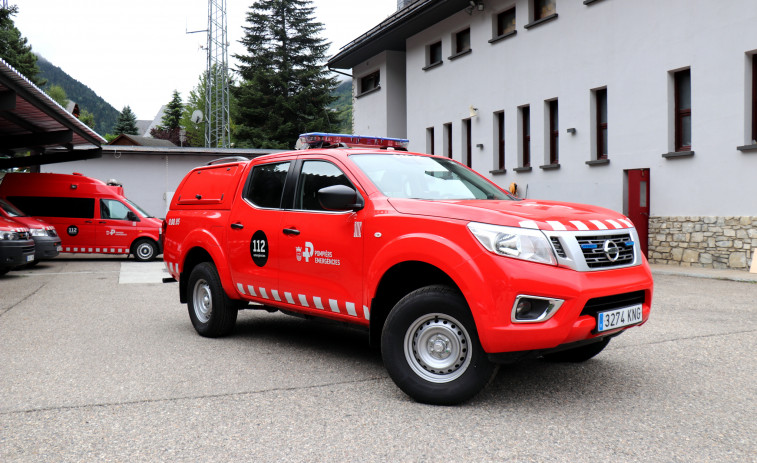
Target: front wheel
(145,250)
(212,312)
(431,349)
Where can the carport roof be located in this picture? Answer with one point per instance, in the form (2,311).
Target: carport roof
(32,121)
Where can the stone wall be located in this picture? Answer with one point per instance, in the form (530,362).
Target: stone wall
(709,242)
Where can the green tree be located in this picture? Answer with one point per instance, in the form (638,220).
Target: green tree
(57,93)
(170,128)
(87,118)
(285,89)
(14,48)
(126,123)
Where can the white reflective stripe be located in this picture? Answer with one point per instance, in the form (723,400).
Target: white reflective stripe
(599,224)
(263,294)
(557,226)
(303,300)
(528,224)
(627,223)
(351,309)
(90,249)
(68,249)
(251,290)
(317,302)
(614,223)
(240,288)
(112,250)
(275,295)
(334,305)
(367,313)
(288,297)
(97,249)
(579,225)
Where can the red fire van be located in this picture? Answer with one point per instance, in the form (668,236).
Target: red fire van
(47,243)
(89,215)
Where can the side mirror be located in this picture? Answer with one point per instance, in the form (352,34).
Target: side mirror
(130,216)
(339,198)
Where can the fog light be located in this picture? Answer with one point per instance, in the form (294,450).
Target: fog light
(534,309)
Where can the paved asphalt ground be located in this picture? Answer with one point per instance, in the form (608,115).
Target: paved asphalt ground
(96,366)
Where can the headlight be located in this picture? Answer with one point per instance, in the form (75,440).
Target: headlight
(4,235)
(520,243)
(38,232)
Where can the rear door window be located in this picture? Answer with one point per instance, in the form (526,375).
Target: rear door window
(266,185)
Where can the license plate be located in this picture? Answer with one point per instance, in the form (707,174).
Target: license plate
(618,318)
(29,258)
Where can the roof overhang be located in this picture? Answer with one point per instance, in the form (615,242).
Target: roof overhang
(392,33)
(31,121)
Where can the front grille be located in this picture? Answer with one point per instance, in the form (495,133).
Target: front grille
(601,304)
(620,250)
(24,235)
(558,247)
(27,249)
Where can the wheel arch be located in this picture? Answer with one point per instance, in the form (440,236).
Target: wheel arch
(204,247)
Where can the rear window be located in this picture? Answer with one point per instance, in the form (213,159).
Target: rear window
(49,206)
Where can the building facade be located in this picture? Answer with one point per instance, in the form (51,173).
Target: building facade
(646,107)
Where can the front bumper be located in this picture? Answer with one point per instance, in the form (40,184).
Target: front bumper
(46,247)
(16,253)
(570,324)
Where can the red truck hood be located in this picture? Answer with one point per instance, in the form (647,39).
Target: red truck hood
(542,215)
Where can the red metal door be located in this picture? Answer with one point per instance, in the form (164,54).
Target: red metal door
(638,204)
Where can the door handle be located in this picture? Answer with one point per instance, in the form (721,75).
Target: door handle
(237,226)
(102,221)
(291,231)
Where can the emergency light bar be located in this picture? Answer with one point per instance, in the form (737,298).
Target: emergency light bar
(338,140)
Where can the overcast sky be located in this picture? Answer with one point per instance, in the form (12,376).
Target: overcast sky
(137,52)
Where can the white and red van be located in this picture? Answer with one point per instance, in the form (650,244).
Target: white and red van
(89,215)
(47,243)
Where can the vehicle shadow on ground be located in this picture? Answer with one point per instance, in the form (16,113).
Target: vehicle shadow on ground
(319,336)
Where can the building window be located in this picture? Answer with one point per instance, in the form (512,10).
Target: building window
(433,55)
(462,43)
(467,135)
(499,119)
(554,133)
(370,82)
(504,23)
(683,110)
(525,119)
(601,123)
(543,9)
(448,140)
(430,140)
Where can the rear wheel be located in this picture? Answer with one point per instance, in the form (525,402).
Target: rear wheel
(212,312)
(431,349)
(579,354)
(144,250)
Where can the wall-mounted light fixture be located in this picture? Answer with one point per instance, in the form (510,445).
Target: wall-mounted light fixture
(473,112)
(572,131)
(480,146)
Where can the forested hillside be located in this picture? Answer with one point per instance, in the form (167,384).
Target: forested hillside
(343,105)
(105,114)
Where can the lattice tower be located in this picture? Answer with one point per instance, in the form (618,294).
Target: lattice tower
(217,120)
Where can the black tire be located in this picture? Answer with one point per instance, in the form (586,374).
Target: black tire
(578,354)
(212,312)
(4,270)
(431,349)
(144,250)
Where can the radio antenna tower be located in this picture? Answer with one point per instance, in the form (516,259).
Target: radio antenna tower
(217,120)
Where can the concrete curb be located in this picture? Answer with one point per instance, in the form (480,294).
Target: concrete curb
(712,274)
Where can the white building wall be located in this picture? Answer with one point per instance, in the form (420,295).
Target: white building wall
(382,112)
(148,180)
(630,48)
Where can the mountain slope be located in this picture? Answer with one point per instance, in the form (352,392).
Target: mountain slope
(105,114)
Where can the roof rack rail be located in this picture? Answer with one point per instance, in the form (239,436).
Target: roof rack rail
(227,160)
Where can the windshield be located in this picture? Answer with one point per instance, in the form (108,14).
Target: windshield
(11,210)
(423,177)
(141,211)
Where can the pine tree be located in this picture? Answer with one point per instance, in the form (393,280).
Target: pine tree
(172,114)
(14,48)
(126,123)
(285,89)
